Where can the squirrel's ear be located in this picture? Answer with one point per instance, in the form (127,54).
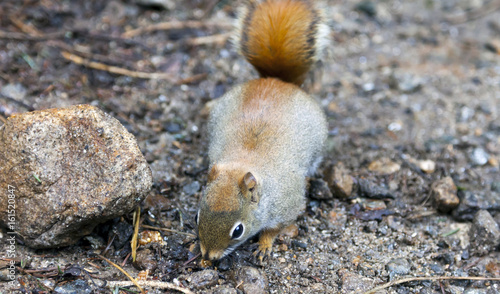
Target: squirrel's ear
(213,173)
(249,184)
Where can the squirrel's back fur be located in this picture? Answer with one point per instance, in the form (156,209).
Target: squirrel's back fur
(281,38)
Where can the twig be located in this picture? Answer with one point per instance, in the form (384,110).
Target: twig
(217,39)
(114,69)
(29,29)
(120,59)
(133,243)
(154,284)
(169,230)
(387,285)
(419,214)
(192,79)
(126,258)
(191,259)
(25,37)
(134,281)
(72,33)
(172,25)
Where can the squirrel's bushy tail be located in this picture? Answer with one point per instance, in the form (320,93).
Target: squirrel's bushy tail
(281,38)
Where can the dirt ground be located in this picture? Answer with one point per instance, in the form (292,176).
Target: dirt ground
(402,82)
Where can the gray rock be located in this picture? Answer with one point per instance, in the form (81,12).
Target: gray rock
(406,83)
(318,189)
(475,291)
(398,266)
(466,113)
(444,193)
(369,189)
(473,201)
(69,169)
(484,233)
(495,187)
(224,290)
(367,7)
(74,287)
(354,283)
(251,280)
(479,156)
(14,91)
(455,289)
(191,188)
(205,278)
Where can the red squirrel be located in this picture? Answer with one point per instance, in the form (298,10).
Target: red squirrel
(265,135)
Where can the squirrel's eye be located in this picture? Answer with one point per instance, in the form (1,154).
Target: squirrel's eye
(237,231)
(196,217)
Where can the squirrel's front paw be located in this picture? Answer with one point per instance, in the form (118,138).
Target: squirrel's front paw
(266,243)
(264,250)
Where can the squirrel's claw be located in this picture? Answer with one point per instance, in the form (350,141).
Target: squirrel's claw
(266,243)
(263,251)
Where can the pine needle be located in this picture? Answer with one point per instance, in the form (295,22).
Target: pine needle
(123,271)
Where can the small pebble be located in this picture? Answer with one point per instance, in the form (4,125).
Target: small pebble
(367,7)
(398,266)
(407,83)
(225,290)
(282,247)
(340,181)
(291,231)
(371,190)
(318,189)
(73,287)
(204,278)
(444,193)
(427,166)
(14,91)
(354,283)
(473,201)
(455,289)
(466,114)
(145,260)
(297,244)
(495,186)
(493,161)
(191,188)
(479,156)
(373,204)
(337,218)
(384,166)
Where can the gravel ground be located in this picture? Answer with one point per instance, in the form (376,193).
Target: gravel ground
(410,89)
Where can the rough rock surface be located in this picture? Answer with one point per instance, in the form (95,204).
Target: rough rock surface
(205,278)
(251,280)
(354,283)
(340,181)
(484,233)
(69,169)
